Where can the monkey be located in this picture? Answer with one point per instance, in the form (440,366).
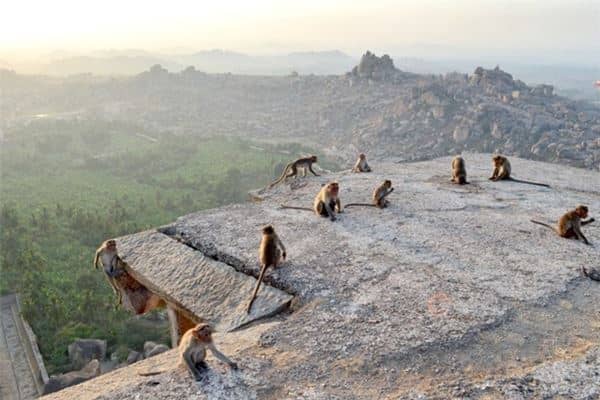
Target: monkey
(139,298)
(379,196)
(502,172)
(361,164)
(592,273)
(107,253)
(327,202)
(292,169)
(270,253)
(569,225)
(459,171)
(192,351)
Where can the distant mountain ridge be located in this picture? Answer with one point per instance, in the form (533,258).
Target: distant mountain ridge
(131,62)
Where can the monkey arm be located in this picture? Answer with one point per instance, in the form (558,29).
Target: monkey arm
(386,193)
(578,233)
(96,258)
(494,174)
(311,170)
(330,212)
(282,247)
(589,221)
(221,356)
(338,204)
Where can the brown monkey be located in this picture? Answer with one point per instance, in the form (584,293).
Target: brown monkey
(271,253)
(192,351)
(139,298)
(379,196)
(361,164)
(292,169)
(569,225)
(327,202)
(107,253)
(502,172)
(459,171)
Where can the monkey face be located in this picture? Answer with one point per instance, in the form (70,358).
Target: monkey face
(313,158)
(582,211)
(333,188)
(203,331)
(362,156)
(111,244)
(387,183)
(497,161)
(268,230)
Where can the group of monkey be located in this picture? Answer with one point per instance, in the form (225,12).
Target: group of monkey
(272,252)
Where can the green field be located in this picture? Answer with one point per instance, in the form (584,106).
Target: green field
(68,185)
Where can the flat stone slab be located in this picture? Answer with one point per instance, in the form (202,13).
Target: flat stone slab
(207,288)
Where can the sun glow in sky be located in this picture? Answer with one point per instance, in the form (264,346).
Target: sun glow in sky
(277,26)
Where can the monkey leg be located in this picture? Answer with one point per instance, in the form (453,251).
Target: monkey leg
(321,210)
(570,234)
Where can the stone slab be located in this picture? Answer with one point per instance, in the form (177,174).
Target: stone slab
(207,288)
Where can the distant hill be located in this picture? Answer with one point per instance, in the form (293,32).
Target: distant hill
(132,62)
(113,65)
(314,62)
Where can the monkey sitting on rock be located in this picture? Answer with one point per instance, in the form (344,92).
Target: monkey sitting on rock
(361,164)
(502,171)
(569,225)
(327,202)
(192,351)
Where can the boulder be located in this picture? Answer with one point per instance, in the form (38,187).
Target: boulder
(160,348)
(82,351)
(61,381)
(134,356)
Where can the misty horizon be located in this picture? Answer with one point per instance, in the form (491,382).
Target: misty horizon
(554,32)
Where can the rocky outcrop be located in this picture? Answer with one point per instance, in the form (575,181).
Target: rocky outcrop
(373,67)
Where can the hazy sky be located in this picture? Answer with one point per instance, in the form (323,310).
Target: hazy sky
(275,26)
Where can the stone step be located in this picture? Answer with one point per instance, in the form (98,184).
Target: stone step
(208,289)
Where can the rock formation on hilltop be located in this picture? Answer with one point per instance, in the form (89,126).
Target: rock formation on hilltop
(373,67)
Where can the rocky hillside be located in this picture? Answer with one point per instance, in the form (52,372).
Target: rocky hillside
(374,108)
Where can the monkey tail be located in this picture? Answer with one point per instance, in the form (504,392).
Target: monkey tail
(543,224)
(282,177)
(295,208)
(529,182)
(260,278)
(360,205)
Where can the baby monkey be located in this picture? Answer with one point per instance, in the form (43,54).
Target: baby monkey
(459,171)
(361,164)
(569,225)
(270,254)
(379,196)
(192,351)
(502,172)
